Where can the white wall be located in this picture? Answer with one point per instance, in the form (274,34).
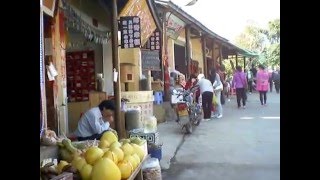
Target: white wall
(108,67)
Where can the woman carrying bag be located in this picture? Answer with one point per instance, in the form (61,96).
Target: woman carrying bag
(217,90)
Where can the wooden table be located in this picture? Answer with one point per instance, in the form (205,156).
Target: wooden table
(137,173)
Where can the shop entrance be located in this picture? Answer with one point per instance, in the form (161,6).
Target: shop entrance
(179,59)
(84,61)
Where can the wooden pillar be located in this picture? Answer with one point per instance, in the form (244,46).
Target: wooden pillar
(60,83)
(244,62)
(166,77)
(236,60)
(116,66)
(220,55)
(205,63)
(188,51)
(212,55)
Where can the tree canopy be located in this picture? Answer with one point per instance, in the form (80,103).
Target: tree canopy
(266,42)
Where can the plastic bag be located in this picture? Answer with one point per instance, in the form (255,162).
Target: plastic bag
(214,100)
(150,124)
(151,169)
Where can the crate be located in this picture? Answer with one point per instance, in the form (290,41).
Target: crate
(149,137)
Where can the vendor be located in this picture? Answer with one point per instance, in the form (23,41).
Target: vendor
(96,121)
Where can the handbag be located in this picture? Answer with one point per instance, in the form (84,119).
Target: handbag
(219,87)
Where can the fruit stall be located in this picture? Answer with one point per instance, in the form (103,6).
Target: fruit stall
(104,159)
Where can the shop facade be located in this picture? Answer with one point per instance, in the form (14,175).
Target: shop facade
(77,40)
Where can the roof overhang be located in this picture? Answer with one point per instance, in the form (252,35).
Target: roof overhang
(169,6)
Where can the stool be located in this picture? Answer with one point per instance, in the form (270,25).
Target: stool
(158,98)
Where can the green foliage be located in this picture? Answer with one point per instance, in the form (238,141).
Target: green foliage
(273,54)
(251,39)
(263,41)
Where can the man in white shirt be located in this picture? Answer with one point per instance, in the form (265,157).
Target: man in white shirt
(206,91)
(96,121)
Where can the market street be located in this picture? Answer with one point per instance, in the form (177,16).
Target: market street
(243,145)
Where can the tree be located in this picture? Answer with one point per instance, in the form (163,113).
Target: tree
(266,42)
(273,31)
(251,39)
(272,53)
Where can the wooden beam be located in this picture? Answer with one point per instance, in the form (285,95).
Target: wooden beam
(195,37)
(188,51)
(212,55)
(236,60)
(220,55)
(205,63)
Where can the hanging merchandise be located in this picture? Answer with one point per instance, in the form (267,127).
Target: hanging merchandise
(74,20)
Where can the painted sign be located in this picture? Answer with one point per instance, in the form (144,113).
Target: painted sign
(155,40)
(130,32)
(140,8)
(150,60)
(138,96)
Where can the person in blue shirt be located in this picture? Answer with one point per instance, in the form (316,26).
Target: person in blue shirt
(96,121)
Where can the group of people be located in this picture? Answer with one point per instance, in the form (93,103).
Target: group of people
(215,86)
(261,79)
(97,120)
(209,88)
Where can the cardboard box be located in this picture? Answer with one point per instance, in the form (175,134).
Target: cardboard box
(95,98)
(156,86)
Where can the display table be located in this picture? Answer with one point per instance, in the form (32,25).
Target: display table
(137,173)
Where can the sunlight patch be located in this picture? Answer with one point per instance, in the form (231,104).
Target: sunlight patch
(247,118)
(270,117)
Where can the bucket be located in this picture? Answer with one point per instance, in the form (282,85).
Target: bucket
(133,119)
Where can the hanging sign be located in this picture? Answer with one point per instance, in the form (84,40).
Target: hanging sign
(174,25)
(140,8)
(155,40)
(150,60)
(130,32)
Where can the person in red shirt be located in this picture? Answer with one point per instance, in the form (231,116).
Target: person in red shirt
(192,82)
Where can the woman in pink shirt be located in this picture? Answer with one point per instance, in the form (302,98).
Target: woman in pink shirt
(262,84)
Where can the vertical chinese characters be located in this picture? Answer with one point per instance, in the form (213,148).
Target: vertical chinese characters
(130,32)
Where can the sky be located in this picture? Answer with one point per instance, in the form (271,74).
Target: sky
(228,18)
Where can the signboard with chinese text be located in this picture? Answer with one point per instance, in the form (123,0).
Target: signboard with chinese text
(130,32)
(155,40)
(150,60)
(140,8)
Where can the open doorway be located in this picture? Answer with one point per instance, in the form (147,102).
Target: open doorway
(180,59)
(84,61)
